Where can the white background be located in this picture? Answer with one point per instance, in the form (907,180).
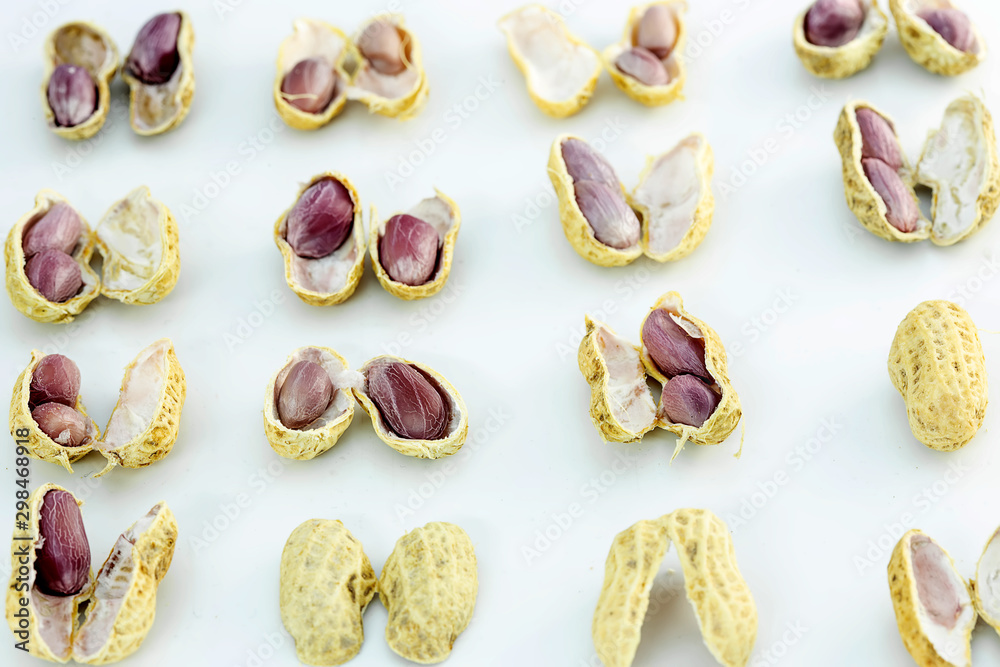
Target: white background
(505,333)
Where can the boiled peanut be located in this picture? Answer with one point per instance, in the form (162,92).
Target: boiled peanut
(643,66)
(901,209)
(953,25)
(686,399)
(671,347)
(62,423)
(321,219)
(878,139)
(62,561)
(834,22)
(55,275)
(381,44)
(411,405)
(583,163)
(599,197)
(154,57)
(58,229)
(72,95)
(55,379)
(408,250)
(310,85)
(657,31)
(304,395)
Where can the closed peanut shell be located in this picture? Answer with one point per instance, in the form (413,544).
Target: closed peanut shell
(85,45)
(651,96)
(842,61)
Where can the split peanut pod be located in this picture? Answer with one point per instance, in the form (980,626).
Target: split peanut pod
(390,78)
(46,403)
(934,609)
(80,62)
(327,582)
(647,64)
(308,403)
(322,240)
(836,39)
(936,363)
(412,252)
(560,70)
(938,36)
(159,71)
(986,586)
(310,87)
(429,585)
(727,615)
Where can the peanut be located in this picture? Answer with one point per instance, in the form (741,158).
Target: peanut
(411,405)
(657,32)
(154,57)
(878,139)
(55,379)
(583,163)
(72,95)
(834,22)
(62,562)
(304,395)
(673,350)
(321,219)
(643,66)
(953,25)
(901,209)
(381,44)
(599,196)
(55,275)
(58,229)
(686,399)
(310,86)
(62,423)
(409,250)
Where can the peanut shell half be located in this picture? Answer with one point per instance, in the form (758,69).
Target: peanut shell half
(85,45)
(986,586)
(674,63)
(312,38)
(926,47)
(842,61)
(401,96)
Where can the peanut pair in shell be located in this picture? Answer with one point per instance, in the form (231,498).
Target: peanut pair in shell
(666,64)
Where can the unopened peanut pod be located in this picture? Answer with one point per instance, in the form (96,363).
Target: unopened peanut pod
(84,45)
(669,82)
(327,582)
(986,586)
(674,199)
(934,609)
(429,585)
(327,46)
(140,249)
(144,424)
(621,405)
(727,614)
(389,84)
(22,294)
(47,623)
(936,363)
(155,108)
(930,49)
(317,436)
(40,445)
(413,408)
(840,62)
(560,70)
(331,279)
(442,214)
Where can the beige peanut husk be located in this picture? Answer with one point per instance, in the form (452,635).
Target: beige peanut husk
(651,96)
(350,256)
(986,586)
(840,62)
(723,604)
(401,96)
(39,445)
(88,46)
(442,213)
(311,38)
(26,298)
(926,47)
(936,363)
(158,108)
(326,583)
(429,585)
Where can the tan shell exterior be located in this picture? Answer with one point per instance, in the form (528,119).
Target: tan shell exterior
(974,588)
(727,614)
(561,108)
(447,251)
(728,413)
(327,582)
(297,118)
(36,645)
(936,363)
(842,61)
(407,106)
(595,370)
(163,280)
(927,48)
(25,297)
(429,585)
(180,100)
(357,238)
(864,202)
(158,439)
(903,589)
(651,96)
(102,74)
(423,449)
(578,231)
(297,444)
(41,446)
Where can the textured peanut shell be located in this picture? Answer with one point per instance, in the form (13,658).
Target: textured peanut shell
(936,363)
(903,589)
(357,238)
(723,604)
(864,202)
(102,74)
(26,298)
(159,437)
(929,49)
(293,116)
(30,535)
(162,282)
(402,108)
(578,231)
(840,62)
(447,251)
(41,446)
(651,96)
(728,413)
(327,582)
(974,587)
(429,585)
(423,449)
(297,444)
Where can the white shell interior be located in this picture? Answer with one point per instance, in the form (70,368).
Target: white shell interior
(556,67)
(325,275)
(131,231)
(874,22)
(54,615)
(948,640)
(670,192)
(988,580)
(389,86)
(628,395)
(343,381)
(309,39)
(455,409)
(155,105)
(140,396)
(78,44)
